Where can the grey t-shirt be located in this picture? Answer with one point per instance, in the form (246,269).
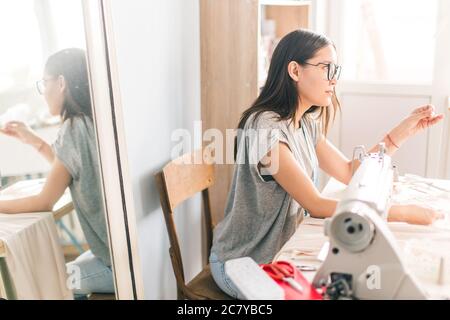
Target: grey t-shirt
(76,148)
(260,216)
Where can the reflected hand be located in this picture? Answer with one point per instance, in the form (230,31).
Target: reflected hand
(22,132)
(414,214)
(420,119)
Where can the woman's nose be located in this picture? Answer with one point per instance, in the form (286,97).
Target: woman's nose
(333,82)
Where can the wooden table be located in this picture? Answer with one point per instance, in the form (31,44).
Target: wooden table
(22,189)
(304,246)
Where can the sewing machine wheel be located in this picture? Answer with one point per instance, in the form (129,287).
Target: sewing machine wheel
(352,231)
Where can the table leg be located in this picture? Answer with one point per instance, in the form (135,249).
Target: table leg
(7,280)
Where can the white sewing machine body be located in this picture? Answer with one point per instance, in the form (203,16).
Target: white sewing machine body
(363,256)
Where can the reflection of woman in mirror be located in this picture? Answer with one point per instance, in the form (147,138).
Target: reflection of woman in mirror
(74,161)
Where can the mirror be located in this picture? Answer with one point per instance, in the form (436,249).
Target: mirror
(55,239)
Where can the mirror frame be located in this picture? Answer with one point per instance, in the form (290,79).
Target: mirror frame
(108,120)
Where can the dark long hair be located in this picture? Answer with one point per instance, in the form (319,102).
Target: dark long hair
(280,93)
(71,64)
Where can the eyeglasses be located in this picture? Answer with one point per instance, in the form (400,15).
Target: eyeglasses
(334,70)
(41,84)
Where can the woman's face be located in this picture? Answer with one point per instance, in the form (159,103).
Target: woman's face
(54,93)
(313,85)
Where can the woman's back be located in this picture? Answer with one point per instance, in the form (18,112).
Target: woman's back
(76,148)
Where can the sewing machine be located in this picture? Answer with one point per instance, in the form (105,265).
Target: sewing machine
(363,259)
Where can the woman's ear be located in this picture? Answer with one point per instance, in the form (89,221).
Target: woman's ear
(294,70)
(61,83)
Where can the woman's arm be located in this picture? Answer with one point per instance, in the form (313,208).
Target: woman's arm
(46,151)
(55,185)
(23,133)
(284,168)
(281,164)
(335,164)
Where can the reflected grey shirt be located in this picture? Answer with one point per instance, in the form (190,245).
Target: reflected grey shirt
(260,216)
(76,148)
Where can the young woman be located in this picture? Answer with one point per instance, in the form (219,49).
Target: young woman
(275,176)
(74,164)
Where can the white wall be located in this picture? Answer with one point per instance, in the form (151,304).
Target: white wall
(158,52)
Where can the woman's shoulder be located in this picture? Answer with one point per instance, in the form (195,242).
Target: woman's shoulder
(313,119)
(76,126)
(265,119)
(313,123)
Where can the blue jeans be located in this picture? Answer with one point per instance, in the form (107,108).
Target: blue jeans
(222,280)
(95,276)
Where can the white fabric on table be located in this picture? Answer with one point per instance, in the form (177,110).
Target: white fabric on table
(421,246)
(34,256)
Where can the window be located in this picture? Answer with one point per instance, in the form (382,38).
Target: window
(32,30)
(389,41)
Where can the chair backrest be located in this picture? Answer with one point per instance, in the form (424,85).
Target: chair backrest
(179,180)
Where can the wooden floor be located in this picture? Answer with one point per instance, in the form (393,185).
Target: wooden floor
(101,296)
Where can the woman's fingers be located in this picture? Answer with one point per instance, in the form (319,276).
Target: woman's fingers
(436,119)
(423,108)
(10,133)
(5,130)
(438,215)
(427,116)
(10,128)
(424,114)
(434,215)
(431,121)
(15,123)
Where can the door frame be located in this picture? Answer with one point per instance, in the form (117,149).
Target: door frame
(108,119)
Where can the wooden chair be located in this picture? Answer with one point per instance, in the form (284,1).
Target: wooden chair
(179,180)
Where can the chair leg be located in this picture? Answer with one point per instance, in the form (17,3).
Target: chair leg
(180,294)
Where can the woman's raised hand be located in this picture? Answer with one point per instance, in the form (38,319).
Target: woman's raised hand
(22,132)
(420,119)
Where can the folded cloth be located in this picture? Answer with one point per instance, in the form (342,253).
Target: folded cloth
(34,256)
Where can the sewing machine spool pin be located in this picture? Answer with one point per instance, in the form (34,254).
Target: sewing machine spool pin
(361,155)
